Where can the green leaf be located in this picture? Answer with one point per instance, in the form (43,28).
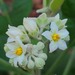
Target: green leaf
(3,39)
(70,61)
(21,9)
(55,5)
(3,24)
(68,8)
(7,67)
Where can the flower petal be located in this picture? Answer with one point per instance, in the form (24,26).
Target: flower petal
(53,46)
(15,62)
(64,21)
(62,45)
(21,44)
(13,30)
(57,17)
(20,59)
(10,54)
(63,33)
(54,27)
(47,34)
(12,46)
(10,39)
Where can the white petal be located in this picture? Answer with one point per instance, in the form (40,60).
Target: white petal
(12,46)
(10,54)
(25,61)
(54,27)
(63,33)
(10,39)
(62,45)
(64,21)
(20,59)
(47,34)
(15,62)
(13,31)
(21,44)
(57,17)
(53,46)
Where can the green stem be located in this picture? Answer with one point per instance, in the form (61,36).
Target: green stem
(44,3)
(56,63)
(36,72)
(66,71)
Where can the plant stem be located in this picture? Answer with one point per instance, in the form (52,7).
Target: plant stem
(66,71)
(44,3)
(36,72)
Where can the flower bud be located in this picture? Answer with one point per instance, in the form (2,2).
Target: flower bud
(39,63)
(30,64)
(40,46)
(43,56)
(31,27)
(42,20)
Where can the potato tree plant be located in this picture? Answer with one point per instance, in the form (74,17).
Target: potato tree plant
(42,45)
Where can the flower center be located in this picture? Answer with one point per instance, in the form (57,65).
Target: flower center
(55,37)
(19,51)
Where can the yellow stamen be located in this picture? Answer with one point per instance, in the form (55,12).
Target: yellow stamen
(18,51)
(55,37)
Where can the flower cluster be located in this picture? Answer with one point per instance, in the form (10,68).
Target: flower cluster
(20,48)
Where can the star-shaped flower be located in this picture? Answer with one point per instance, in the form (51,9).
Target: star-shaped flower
(15,51)
(56,37)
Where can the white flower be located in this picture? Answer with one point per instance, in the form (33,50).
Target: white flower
(16,51)
(34,57)
(31,26)
(56,37)
(17,31)
(60,23)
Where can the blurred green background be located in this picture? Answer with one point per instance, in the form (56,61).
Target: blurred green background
(12,12)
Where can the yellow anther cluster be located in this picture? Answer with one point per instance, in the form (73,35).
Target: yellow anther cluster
(55,37)
(18,51)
